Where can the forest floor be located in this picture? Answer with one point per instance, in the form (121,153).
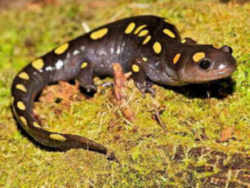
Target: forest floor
(202,139)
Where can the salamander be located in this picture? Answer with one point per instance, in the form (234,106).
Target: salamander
(147,46)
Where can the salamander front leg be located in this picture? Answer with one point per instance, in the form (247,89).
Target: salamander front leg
(85,77)
(140,77)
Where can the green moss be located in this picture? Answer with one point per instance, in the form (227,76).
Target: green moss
(146,151)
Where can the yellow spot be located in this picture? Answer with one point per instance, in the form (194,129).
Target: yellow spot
(61,49)
(198,56)
(21,87)
(145,59)
(21,105)
(130,28)
(135,68)
(84,65)
(24,76)
(157,47)
(146,40)
(23,120)
(36,125)
(57,137)
(183,41)
(99,33)
(38,64)
(176,58)
(143,33)
(139,28)
(169,33)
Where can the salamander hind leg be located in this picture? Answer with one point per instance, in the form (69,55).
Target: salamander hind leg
(85,77)
(140,78)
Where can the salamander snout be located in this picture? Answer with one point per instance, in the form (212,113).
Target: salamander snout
(225,62)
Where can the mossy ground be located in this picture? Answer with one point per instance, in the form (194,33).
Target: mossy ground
(144,149)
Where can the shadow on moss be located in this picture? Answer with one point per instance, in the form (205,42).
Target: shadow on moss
(219,89)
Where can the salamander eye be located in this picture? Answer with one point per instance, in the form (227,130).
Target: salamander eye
(205,64)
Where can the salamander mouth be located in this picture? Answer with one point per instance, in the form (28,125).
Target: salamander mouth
(226,72)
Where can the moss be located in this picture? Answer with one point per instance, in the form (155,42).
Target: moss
(147,152)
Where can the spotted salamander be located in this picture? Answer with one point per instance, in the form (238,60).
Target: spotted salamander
(147,46)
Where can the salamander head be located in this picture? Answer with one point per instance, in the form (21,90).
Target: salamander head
(204,63)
